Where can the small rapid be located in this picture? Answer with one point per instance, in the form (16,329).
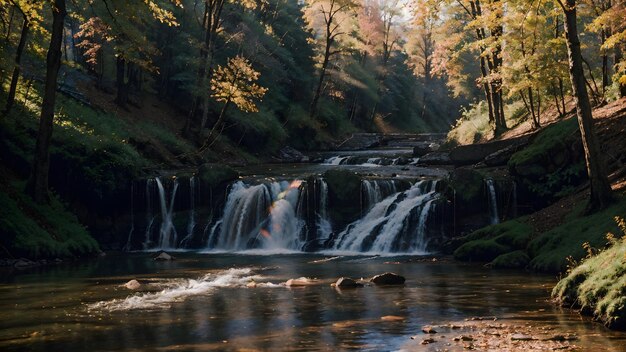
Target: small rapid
(182,289)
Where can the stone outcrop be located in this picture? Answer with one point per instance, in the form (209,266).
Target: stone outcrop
(388,279)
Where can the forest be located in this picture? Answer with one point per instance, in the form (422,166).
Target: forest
(222,154)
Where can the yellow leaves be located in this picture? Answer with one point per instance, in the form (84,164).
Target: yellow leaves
(234,83)
(161,14)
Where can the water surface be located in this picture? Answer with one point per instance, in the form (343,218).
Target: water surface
(203,302)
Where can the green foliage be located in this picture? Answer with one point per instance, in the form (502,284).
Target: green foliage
(41,231)
(492,241)
(474,126)
(598,284)
(548,167)
(513,260)
(550,250)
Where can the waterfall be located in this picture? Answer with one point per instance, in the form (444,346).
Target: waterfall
(129,243)
(395,224)
(167,233)
(191,223)
(324,227)
(336,160)
(376,190)
(492,200)
(259,216)
(150,217)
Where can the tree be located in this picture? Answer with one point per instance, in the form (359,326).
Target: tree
(390,12)
(30,18)
(610,23)
(37,185)
(601,194)
(211,23)
(124,24)
(333,16)
(234,84)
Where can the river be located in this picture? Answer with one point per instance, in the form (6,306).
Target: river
(202,301)
(226,289)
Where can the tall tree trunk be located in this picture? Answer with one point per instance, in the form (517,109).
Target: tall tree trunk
(601,194)
(562,93)
(120,78)
(496,90)
(320,82)
(622,82)
(17,67)
(556,100)
(605,63)
(37,185)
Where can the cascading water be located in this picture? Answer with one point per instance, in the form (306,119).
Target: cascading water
(494,218)
(395,224)
(336,160)
(129,241)
(376,190)
(283,215)
(167,233)
(260,216)
(191,224)
(324,227)
(150,217)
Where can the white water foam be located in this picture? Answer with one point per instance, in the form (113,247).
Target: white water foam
(180,291)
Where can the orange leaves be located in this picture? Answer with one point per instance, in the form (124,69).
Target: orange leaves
(234,83)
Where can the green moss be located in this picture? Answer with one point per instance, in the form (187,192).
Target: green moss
(480,250)
(513,260)
(213,175)
(42,231)
(550,250)
(549,166)
(492,241)
(598,286)
(468,185)
(344,189)
(550,138)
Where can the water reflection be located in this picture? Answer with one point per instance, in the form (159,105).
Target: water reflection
(48,309)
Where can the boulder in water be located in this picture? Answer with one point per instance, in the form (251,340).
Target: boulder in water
(132,285)
(302,281)
(346,282)
(163,256)
(24,263)
(388,279)
(291,155)
(435,158)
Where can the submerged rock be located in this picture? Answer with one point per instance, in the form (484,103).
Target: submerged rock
(428,341)
(429,330)
(132,285)
(388,279)
(163,256)
(24,263)
(302,281)
(392,318)
(346,282)
(521,337)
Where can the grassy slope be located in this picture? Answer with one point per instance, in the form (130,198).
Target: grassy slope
(93,150)
(598,285)
(543,241)
(40,231)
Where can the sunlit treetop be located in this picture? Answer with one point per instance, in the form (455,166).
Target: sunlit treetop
(235,83)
